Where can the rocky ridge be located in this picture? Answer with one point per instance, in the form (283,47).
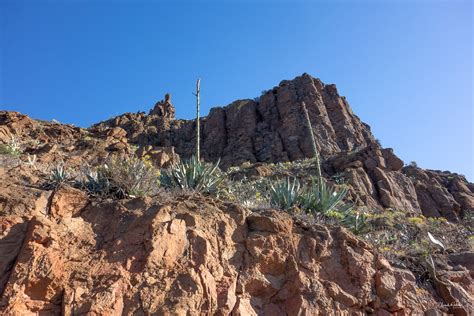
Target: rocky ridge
(189,253)
(269,129)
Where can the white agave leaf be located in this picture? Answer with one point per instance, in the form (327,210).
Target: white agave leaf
(435,241)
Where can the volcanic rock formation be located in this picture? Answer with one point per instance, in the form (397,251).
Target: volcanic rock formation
(63,252)
(271,129)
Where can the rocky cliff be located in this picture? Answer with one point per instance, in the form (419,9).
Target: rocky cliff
(272,129)
(65,252)
(267,129)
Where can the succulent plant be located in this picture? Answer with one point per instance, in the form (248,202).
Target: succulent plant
(58,176)
(285,193)
(319,197)
(194,175)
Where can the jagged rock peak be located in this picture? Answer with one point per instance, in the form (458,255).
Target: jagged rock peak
(270,128)
(164,108)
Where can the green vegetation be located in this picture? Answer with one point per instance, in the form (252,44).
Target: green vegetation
(12,148)
(316,198)
(251,194)
(121,177)
(129,177)
(285,194)
(97,183)
(404,238)
(58,176)
(194,175)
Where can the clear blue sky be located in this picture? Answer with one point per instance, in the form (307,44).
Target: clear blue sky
(405,66)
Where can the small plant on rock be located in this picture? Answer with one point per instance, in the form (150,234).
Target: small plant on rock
(319,197)
(339,178)
(357,221)
(247,193)
(12,148)
(58,176)
(316,198)
(97,183)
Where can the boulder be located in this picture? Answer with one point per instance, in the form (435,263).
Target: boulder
(68,202)
(162,157)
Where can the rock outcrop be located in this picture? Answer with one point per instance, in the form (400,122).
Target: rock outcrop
(164,108)
(63,252)
(268,129)
(271,129)
(190,255)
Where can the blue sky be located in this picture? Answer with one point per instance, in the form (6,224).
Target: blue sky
(405,66)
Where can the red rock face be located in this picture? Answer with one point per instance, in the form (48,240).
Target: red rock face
(191,255)
(269,130)
(63,253)
(272,129)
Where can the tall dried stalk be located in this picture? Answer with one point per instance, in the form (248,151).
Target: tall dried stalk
(198,133)
(313,141)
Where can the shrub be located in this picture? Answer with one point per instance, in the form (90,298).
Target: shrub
(416,220)
(247,193)
(12,148)
(194,175)
(128,177)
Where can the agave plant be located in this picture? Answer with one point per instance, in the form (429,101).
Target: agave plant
(285,194)
(97,183)
(194,175)
(57,177)
(318,197)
